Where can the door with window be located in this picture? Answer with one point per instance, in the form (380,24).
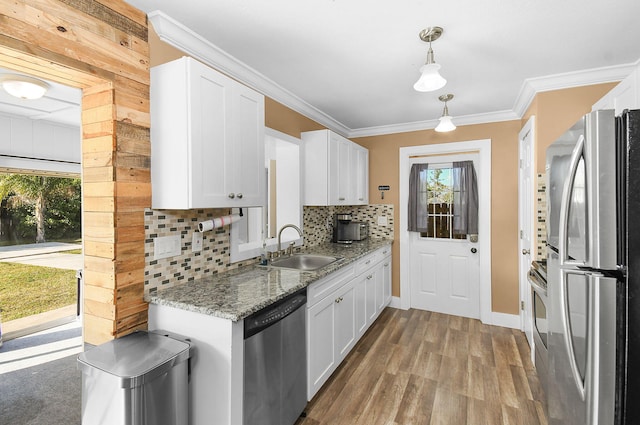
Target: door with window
(444,263)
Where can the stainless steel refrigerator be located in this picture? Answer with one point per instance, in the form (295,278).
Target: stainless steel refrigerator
(593,227)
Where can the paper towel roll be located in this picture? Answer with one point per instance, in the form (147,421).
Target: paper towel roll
(225,220)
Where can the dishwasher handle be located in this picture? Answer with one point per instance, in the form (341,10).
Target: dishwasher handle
(274,313)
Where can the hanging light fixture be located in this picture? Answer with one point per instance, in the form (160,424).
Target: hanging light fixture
(430,78)
(24,87)
(445,123)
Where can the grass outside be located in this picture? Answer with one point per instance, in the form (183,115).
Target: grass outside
(26,290)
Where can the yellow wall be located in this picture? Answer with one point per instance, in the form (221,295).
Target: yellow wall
(558,110)
(555,111)
(384,170)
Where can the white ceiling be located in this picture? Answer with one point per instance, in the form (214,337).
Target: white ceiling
(351,65)
(60,103)
(356,61)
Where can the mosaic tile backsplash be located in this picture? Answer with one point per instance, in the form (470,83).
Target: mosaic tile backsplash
(541,221)
(214,257)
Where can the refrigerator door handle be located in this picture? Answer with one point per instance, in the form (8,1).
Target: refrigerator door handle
(567,336)
(563,228)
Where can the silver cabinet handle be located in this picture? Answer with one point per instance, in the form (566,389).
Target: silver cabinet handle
(239,195)
(368,262)
(340,199)
(526,251)
(338,300)
(232,195)
(369,277)
(386,264)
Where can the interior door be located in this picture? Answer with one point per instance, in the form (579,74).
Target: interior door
(525,218)
(444,269)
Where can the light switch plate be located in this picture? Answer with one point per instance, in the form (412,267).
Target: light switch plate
(166,246)
(382,220)
(196,242)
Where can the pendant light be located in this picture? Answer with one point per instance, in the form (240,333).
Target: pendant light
(24,87)
(445,120)
(430,79)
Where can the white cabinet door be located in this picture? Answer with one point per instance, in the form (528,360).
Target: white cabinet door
(340,169)
(379,278)
(336,170)
(345,322)
(386,280)
(361,175)
(361,305)
(321,352)
(207,139)
(208,126)
(248,171)
(371,306)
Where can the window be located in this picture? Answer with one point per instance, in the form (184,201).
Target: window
(440,195)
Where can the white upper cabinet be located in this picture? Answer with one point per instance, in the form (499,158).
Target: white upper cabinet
(336,170)
(207,139)
(626,95)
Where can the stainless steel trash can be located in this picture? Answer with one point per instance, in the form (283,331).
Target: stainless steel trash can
(139,379)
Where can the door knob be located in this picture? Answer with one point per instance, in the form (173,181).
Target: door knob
(526,252)
(474,250)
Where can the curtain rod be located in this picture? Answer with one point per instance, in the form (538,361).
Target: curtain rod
(442,154)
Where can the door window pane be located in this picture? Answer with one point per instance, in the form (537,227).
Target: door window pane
(440,195)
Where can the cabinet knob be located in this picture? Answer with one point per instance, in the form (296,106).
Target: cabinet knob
(386,264)
(232,195)
(369,277)
(526,252)
(338,300)
(360,199)
(239,195)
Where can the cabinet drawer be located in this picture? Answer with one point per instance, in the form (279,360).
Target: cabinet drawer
(323,287)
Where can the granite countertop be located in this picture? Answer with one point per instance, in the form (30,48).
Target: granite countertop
(236,294)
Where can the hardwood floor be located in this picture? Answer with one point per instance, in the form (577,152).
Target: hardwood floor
(419,367)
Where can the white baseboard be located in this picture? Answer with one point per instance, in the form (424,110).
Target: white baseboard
(505,320)
(395,302)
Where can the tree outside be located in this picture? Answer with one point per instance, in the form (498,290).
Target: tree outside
(39,208)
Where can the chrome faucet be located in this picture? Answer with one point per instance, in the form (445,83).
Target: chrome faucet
(280,234)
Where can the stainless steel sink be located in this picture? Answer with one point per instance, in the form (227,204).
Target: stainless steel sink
(305,262)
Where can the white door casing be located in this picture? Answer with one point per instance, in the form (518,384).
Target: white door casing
(483,147)
(526,193)
(444,272)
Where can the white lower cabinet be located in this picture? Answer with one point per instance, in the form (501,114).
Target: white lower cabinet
(340,309)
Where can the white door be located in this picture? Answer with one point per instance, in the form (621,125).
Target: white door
(525,218)
(444,270)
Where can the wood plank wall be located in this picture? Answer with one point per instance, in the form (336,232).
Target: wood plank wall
(102,48)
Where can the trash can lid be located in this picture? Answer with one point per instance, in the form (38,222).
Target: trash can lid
(134,356)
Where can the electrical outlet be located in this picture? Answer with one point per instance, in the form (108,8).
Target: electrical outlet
(166,246)
(382,220)
(196,242)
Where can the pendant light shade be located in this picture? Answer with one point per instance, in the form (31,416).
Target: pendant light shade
(445,124)
(24,87)
(430,78)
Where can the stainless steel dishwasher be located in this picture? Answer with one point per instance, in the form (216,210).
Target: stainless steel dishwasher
(275,363)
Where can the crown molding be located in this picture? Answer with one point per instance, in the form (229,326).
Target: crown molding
(174,33)
(533,86)
(431,124)
(179,36)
